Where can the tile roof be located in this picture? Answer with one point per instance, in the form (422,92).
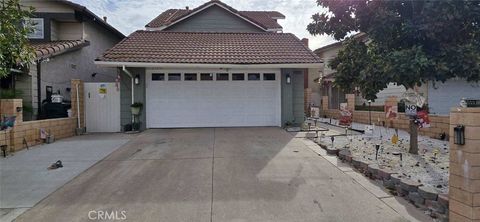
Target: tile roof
(47,49)
(265,19)
(210,48)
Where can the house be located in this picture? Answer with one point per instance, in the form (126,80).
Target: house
(212,66)
(439,96)
(67,39)
(335,95)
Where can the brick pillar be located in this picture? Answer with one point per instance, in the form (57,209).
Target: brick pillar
(464,181)
(350,101)
(324,102)
(12,107)
(73,95)
(391,101)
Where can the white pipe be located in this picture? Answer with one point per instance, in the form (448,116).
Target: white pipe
(78,107)
(124,69)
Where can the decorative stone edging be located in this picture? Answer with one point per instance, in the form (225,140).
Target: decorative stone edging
(422,197)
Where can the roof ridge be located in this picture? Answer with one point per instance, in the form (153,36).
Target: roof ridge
(251,33)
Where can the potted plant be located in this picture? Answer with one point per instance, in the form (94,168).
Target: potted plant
(136,107)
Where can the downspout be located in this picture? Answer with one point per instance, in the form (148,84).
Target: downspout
(78,106)
(124,69)
(39,88)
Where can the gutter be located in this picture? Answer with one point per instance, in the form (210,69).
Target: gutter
(198,65)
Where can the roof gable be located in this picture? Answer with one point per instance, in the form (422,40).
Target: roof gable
(213,19)
(264,20)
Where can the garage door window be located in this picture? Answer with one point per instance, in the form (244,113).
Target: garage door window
(253,76)
(206,76)
(174,77)
(222,76)
(238,76)
(269,76)
(158,77)
(190,76)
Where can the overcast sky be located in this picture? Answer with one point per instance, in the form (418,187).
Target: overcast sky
(130,15)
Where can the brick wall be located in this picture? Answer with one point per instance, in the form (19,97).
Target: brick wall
(29,132)
(438,124)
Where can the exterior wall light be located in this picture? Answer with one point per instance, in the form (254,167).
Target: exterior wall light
(137,80)
(289,79)
(459,135)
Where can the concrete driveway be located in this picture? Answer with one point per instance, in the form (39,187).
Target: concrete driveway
(213,174)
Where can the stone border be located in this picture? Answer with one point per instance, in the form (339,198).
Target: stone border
(422,197)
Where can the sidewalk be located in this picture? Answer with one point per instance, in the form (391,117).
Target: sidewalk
(25,179)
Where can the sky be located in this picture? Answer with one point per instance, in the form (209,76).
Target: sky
(131,15)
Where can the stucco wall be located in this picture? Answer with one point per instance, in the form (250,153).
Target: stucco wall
(214,19)
(293,96)
(443,96)
(126,96)
(58,71)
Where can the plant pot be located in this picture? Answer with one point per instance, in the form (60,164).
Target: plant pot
(135,110)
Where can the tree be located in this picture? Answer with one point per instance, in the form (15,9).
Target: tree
(409,42)
(14,48)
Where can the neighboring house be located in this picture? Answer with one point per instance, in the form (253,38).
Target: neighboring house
(440,97)
(213,66)
(67,39)
(335,94)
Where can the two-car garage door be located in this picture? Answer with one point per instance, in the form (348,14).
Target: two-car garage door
(198,98)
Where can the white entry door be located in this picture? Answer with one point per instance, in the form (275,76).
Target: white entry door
(102,107)
(200,98)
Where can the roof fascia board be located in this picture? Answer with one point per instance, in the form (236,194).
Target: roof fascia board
(208,6)
(195,65)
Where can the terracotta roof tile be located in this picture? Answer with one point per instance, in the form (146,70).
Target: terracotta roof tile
(47,49)
(210,48)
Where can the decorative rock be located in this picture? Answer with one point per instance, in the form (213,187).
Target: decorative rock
(396,178)
(343,153)
(400,192)
(416,198)
(428,193)
(385,173)
(348,158)
(355,162)
(435,206)
(372,171)
(389,184)
(331,151)
(293,129)
(443,200)
(409,185)
(363,165)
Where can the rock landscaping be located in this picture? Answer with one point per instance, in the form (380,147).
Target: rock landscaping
(421,179)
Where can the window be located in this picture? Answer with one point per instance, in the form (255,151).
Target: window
(253,76)
(238,77)
(38,28)
(269,76)
(222,76)
(158,77)
(206,76)
(174,77)
(190,77)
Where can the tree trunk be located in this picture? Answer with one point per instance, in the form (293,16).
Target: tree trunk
(413,138)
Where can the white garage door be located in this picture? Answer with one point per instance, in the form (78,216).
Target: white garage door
(177,99)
